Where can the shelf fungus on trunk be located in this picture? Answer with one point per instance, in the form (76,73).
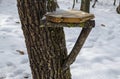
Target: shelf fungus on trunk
(70,18)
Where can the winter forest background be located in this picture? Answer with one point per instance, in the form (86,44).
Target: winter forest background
(99,58)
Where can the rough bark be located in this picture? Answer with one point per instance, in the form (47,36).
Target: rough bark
(45,45)
(52,5)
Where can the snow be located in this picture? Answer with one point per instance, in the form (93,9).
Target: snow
(98,59)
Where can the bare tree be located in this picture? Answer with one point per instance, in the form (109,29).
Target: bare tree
(114,2)
(73,4)
(46,45)
(95,1)
(118,9)
(74,1)
(85,5)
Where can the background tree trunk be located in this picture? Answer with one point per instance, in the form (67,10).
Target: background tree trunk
(46,46)
(95,1)
(114,2)
(118,8)
(85,5)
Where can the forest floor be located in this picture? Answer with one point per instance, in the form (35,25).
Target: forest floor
(98,59)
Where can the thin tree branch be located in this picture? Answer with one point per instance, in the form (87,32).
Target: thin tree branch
(94,3)
(78,45)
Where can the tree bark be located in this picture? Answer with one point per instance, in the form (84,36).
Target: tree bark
(85,5)
(45,45)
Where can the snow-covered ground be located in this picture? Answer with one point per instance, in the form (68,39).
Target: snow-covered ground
(98,59)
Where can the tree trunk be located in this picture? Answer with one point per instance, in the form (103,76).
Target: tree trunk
(85,5)
(118,8)
(114,2)
(95,1)
(46,46)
